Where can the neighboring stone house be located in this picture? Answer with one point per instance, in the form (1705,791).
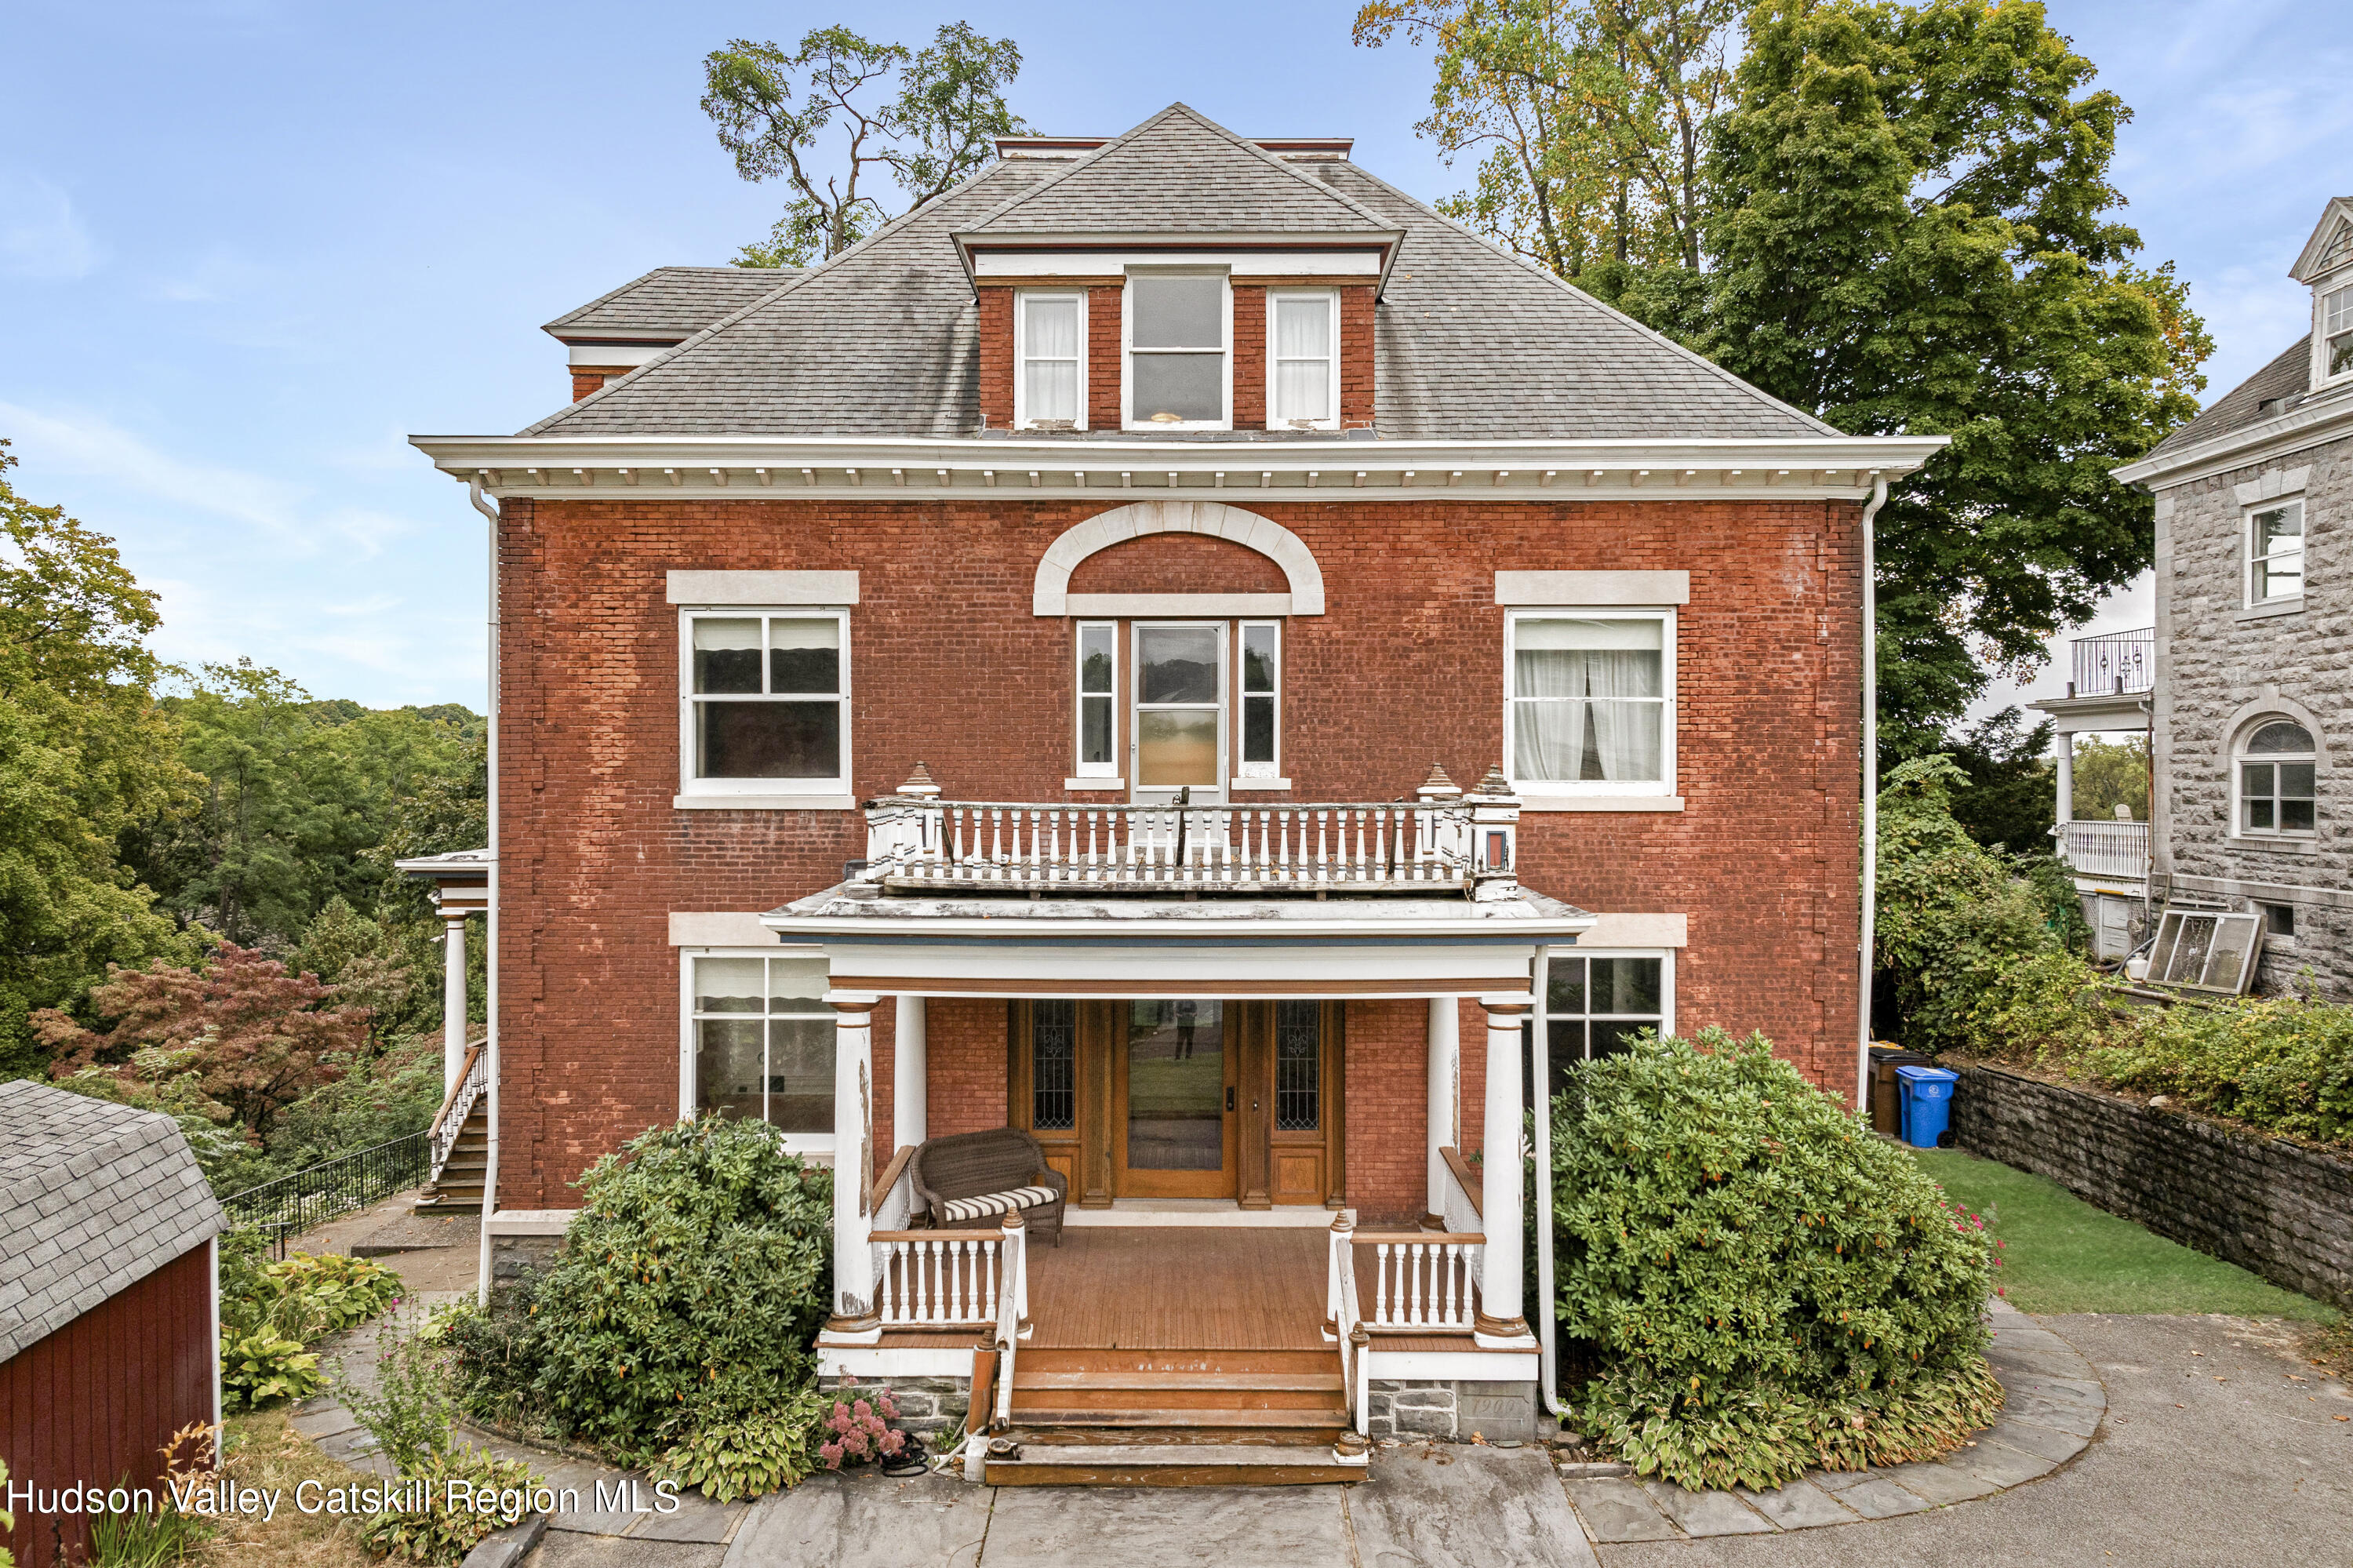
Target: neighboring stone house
(990,682)
(2254,704)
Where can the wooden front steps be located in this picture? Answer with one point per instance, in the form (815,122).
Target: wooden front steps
(458,1189)
(1173,1417)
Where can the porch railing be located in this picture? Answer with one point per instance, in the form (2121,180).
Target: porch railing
(473,1077)
(939,1279)
(917,844)
(1012,1310)
(2114,663)
(1424,1279)
(2095,848)
(1345,1324)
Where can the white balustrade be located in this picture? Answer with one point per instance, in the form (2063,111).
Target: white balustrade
(1012,1311)
(1424,1280)
(474,1079)
(915,844)
(2096,848)
(939,1279)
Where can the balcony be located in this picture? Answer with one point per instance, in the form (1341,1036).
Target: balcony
(1443,845)
(2106,849)
(2113,664)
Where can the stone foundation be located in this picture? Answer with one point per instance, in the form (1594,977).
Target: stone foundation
(1451,1412)
(513,1256)
(2272,1207)
(930,1405)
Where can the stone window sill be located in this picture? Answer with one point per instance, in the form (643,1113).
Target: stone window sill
(765,802)
(2273,846)
(1601,802)
(2265,611)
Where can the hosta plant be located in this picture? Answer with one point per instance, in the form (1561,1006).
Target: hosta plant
(500,1492)
(748,1455)
(261,1368)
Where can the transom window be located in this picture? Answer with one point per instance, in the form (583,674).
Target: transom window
(763,702)
(1180,331)
(1050,388)
(1589,702)
(763,1040)
(1302,359)
(2336,329)
(2277,768)
(2276,553)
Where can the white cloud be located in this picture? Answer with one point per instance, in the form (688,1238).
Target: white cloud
(41,235)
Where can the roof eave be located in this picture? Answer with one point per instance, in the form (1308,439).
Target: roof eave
(2327,415)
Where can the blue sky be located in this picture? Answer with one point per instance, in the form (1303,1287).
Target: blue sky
(247,248)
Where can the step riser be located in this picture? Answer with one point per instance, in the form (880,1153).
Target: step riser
(1196,1363)
(1302,1475)
(1166,1399)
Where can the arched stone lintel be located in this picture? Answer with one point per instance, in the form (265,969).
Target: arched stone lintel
(1269,538)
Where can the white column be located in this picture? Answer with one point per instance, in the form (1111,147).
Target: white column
(910,1115)
(1500,1204)
(854,1317)
(453,1001)
(1445,1085)
(2066,778)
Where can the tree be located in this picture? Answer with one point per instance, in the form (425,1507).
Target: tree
(1592,118)
(2008,799)
(772,109)
(2111,774)
(257,1037)
(86,756)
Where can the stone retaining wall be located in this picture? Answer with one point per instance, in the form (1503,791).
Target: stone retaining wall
(1416,1407)
(2275,1208)
(934,1407)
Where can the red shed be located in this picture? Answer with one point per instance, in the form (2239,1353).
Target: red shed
(109,1310)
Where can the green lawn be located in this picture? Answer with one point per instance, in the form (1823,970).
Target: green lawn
(2060,1255)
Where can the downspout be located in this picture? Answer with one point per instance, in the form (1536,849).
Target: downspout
(488,509)
(1869,934)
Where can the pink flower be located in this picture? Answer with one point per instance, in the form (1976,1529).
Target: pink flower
(863,1410)
(831,1454)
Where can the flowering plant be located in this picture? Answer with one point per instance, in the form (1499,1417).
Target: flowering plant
(858,1431)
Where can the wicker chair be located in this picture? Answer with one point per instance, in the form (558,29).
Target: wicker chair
(971,1179)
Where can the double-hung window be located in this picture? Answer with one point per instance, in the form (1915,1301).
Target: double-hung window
(1302,361)
(1589,701)
(1262,722)
(2276,553)
(761,1040)
(1180,329)
(2337,331)
(1049,389)
(2278,774)
(1594,1005)
(765,702)
(1098,699)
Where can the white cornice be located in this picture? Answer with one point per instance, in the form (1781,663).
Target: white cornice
(2322,418)
(886,468)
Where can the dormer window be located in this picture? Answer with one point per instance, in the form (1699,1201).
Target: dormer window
(1050,387)
(2336,331)
(1302,363)
(1179,345)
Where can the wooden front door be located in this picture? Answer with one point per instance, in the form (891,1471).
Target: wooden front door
(1183,1097)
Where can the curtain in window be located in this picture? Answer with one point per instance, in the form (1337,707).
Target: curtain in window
(1302,359)
(1625,734)
(1051,358)
(1549,739)
(1589,701)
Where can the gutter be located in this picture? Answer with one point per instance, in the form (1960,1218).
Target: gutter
(490,933)
(1868,936)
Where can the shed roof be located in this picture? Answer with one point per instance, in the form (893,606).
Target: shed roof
(94,1197)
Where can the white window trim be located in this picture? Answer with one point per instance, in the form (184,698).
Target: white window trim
(749,794)
(1636,795)
(2338,281)
(1544,1015)
(2248,558)
(1128,421)
(1021,300)
(2239,757)
(1332,299)
(1136,704)
(1103,775)
(816,1144)
(1268,775)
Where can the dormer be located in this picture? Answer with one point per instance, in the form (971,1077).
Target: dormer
(1177,280)
(2325,266)
(648,316)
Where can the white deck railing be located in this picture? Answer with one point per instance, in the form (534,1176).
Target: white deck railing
(1012,1311)
(1424,1279)
(915,844)
(2095,848)
(1345,1325)
(938,1280)
(472,1081)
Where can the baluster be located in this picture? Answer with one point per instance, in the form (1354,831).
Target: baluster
(918,1264)
(992,1262)
(957,1271)
(888,1288)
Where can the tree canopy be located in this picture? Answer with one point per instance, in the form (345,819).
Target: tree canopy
(818,116)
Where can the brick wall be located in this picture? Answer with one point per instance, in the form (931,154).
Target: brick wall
(995,329)
(1249,356)
(965,1041)
(948,664)
(2275,1208)
(1387,1045)
(1356,357)
(1106,305)
(1179,563)
(587,379)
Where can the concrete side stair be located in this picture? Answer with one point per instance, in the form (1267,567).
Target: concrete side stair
(457,1190)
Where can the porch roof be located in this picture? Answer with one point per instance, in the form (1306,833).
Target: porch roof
(975,945)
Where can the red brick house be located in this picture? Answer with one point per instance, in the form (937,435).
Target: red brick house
(1174,648)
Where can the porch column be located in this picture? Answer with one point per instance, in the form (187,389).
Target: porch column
(1501,1321)
(854,1317)
(911,1113)
(453,997)
(2066,778)
(1445,1086)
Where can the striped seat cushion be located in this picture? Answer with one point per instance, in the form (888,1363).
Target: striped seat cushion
(955,1210)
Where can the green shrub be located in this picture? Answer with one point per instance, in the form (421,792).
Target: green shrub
(1765,1286)
(445,1531)
(309,1296)
(263,1367)
(689,1291)
(496,1358)
(2282,1064)
(409,1411)
(750,1454)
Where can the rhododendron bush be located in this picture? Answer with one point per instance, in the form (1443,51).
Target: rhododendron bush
(1762,1285)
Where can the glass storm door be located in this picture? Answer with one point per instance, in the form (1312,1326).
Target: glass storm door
(1174,1129)
(1178,738)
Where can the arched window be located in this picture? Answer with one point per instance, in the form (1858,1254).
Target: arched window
(2276,763)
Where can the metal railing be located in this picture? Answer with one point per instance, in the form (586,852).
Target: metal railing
(309,1197)
(2115,664)
(2095,848)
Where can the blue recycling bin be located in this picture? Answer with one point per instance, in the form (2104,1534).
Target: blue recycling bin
(1927,1093)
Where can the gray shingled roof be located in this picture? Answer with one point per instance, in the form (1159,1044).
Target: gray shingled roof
(94,1197)
(1179,173)
(677,300)
(2286,377)
(1472,343)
